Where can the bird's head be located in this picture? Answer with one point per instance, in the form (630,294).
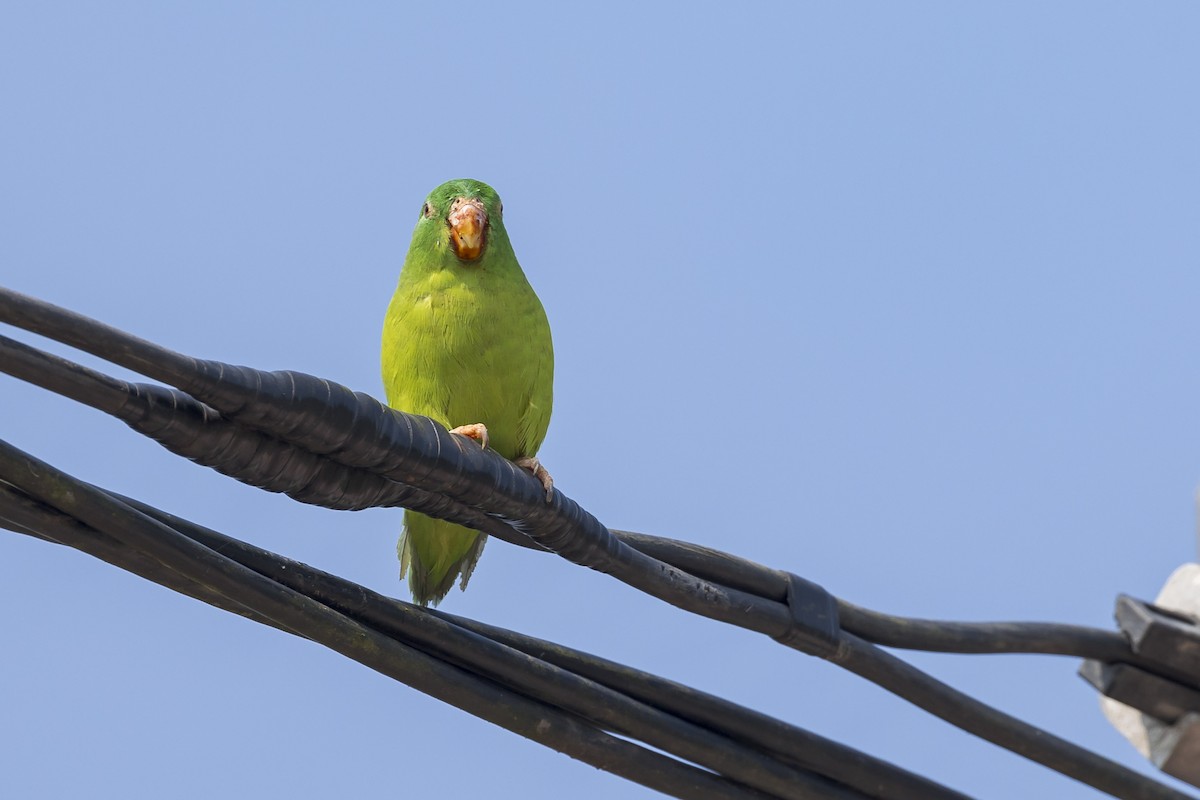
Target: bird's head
(462,218)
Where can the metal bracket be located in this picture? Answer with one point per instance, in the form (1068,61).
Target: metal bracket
(1149,693)
(1158,708)
(1169,638)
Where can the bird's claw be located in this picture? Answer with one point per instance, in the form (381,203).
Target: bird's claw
(533,465)
(476,430)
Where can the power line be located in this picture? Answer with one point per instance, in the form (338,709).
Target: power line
(323,444)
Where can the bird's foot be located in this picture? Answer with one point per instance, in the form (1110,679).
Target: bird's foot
(476,431)
(533,465)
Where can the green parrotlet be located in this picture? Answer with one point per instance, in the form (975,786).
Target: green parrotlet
(466,343)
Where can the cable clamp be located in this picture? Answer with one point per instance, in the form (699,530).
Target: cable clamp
(815,629)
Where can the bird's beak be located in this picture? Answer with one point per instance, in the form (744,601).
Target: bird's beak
(468,227)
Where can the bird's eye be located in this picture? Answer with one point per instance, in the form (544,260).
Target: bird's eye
(427,210)
(500,208)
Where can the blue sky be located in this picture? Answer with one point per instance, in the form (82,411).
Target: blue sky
(899,297)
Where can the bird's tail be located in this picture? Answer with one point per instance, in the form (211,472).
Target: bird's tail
(433,553)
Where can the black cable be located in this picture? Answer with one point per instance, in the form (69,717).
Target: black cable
(909,633)
(889,630)
(590,700)
(357,431)
(195,431)
(295,612)
(804,748)
(21,513)
(1047,638)
(200,433)
(390,616)
(800,747)
(906,681)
